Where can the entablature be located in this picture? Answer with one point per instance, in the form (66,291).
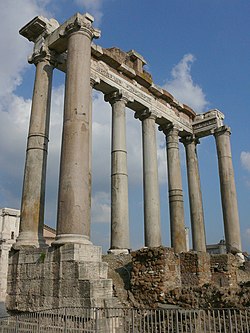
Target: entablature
(115,70)
(206,123)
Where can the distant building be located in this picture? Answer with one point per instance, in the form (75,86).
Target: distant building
(49,234)
(219,248)
(9,231)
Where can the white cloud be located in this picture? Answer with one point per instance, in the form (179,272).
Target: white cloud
(94,7)
(13,125)
(101,144)
(245,160)
(54,148)
(13,129)
(182,86)
(14,48)
(101,210)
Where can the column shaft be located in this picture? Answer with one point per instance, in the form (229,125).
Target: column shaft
(119,176)
(152,224)
(74,198)
(92,83)
(228,190)
(195,196)
(33,196)
(176,207)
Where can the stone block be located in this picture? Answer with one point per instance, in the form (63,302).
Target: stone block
(90,253)
(68,270)
(30,256)
(80,252)
(49,288)
(92,270)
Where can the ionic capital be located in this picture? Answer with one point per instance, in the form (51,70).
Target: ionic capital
(145,114)
(189,139)
(94,80)
(82,24)
(42,53)
(170,129)
(116,96)
(222,130)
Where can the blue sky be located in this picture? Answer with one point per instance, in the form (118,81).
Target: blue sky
(199,50)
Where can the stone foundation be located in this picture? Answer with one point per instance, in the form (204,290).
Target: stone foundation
(72,275)
(189,279)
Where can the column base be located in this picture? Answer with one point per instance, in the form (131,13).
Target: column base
(29,240)
(71,275)
(118,251)
(71,238)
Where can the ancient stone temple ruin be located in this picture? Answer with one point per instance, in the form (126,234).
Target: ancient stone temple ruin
(71,271)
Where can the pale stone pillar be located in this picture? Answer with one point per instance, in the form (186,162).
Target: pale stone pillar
(74,197)
(176,207)
(228,190)
(195,196)
(33,196)
(152,222)
(119,176)
(93,82)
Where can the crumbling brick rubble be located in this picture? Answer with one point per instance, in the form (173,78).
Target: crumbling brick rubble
(153,277)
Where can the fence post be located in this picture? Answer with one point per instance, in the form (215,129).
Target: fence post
(38,322)
(96,319)
(230,321)
(16,328)
(65,320)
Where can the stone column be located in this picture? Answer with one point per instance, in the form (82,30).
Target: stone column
(195,197)
(74,197)
(33,195)
(119,176)
(228,190)
(93,82)
(176,207)
(152,223)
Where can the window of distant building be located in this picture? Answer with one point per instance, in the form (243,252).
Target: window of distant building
(12,235)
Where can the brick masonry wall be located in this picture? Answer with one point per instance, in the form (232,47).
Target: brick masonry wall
(154,272)
(159,276)
(195,268)
(224,270)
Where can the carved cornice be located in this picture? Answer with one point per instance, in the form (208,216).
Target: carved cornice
(134,91)
(81,24)
(38,27)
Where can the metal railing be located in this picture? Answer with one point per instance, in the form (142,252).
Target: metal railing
(129,320)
